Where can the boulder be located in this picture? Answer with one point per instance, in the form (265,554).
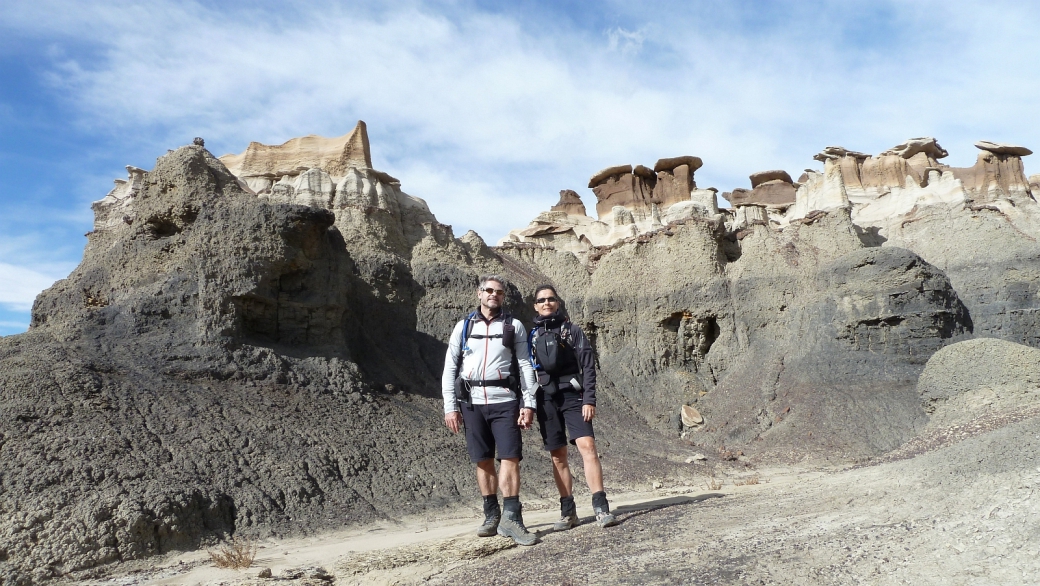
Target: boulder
(974,364)
(690,416)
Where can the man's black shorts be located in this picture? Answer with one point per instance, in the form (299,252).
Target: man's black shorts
(559,412)
(492,425)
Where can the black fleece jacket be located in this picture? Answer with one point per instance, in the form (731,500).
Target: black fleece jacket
(582,348)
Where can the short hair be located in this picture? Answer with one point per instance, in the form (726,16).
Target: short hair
(500,279)
(543,287)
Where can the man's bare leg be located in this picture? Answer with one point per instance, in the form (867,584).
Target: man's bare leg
(487,477)
(509,477)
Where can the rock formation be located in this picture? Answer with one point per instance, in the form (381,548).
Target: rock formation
(260,166)
(630,200)
(570,203)
(254,349)
(773,189)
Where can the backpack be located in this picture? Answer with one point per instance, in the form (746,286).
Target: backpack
(553,352)
(508,336)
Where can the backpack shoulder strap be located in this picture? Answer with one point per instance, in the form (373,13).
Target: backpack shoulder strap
(464,342)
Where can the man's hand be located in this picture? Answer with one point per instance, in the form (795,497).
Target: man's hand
(588,412)
(453,420)
(526,418)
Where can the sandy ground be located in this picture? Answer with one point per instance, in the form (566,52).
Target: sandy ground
(960,510)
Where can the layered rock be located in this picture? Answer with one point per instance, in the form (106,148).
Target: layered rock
(773,189)
(950,216)
(570,203)
(630,200)
(261,165)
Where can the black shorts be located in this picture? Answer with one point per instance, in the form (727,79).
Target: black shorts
(492,425)
(557,412)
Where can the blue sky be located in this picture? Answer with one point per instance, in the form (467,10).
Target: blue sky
(485,109)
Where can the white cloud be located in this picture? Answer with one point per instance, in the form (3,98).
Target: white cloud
(19,285)
(627,42)
(487,115)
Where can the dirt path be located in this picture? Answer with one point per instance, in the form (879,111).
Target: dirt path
(961,514)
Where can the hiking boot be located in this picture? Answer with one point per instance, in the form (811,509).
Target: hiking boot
(512,526)
(566,522)
(490,526)
(605,518)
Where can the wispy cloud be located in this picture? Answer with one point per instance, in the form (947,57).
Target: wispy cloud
(625,41)
(486,115)
(20,285)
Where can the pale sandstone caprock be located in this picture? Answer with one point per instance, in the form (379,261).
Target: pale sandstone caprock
(112,211)
(334,155)
(999,148)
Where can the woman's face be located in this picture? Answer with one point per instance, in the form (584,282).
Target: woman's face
(546,302)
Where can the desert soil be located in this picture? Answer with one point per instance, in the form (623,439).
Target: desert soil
(960,509)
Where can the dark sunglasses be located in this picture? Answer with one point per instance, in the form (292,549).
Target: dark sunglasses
(493,291)
(542,300)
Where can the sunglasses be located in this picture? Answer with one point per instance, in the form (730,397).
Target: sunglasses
(542,300)
(493,291)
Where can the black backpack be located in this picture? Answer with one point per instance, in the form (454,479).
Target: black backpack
(553,352)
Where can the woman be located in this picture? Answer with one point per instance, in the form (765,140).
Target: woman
(566,403)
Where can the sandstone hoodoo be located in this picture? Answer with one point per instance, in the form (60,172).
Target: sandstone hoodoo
(252,344)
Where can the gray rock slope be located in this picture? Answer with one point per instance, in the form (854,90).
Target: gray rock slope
(789,343)
(222,364)
(197,376)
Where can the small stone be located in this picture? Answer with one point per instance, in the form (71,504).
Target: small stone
(696,458)
(657,485)
(690,416)
(264,573)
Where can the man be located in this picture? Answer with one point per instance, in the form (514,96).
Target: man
(566,402)
(483,351)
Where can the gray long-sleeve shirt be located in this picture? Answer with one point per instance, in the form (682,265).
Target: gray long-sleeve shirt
(487,359)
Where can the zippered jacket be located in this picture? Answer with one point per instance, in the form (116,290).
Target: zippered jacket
(484,359)
(583,355)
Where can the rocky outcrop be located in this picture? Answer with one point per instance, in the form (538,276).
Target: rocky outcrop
(983,363)
(631,200)
(570,203)
(223,363)
(674,180)
(774,189)
(949,216)
(261,165)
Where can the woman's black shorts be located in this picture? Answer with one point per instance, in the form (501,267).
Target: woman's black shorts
(559,416)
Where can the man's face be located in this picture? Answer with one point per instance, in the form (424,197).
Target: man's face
(492,300)
(546,302)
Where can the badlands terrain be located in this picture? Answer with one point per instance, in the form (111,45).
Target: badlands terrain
(835,381)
